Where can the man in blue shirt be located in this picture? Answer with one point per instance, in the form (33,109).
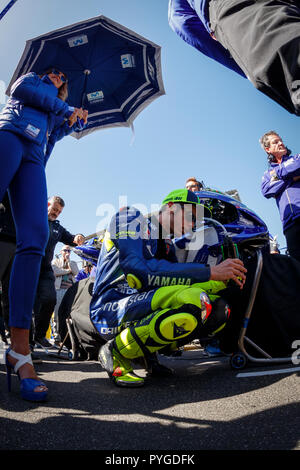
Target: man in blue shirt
(259,39)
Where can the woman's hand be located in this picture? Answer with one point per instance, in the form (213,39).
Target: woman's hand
(82,114)
(73,118)
(79,113)
(85,116)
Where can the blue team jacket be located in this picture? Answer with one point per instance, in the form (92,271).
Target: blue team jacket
(278,182)
(190,20)
(33,110)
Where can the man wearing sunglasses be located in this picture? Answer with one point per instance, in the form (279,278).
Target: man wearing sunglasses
(144,300)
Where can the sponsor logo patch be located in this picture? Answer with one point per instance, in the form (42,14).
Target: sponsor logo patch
(78,40)
(95,96)
(127,61)
(162,281)
(32,131)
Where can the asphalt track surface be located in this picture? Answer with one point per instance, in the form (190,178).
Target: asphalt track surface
(204,406)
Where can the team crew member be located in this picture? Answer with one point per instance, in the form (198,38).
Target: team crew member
(258,39)
(144,300)
(35,112)
(282,182)
(192,184)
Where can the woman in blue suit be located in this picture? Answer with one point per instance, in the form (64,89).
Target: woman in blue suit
(34,118)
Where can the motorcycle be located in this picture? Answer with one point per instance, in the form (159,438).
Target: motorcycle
(90,250)
(227,229)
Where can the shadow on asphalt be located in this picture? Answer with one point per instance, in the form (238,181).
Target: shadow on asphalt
(167,414)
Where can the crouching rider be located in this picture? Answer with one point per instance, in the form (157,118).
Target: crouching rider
(144,300)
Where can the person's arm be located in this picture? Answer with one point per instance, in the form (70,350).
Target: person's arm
(271,185)
(69,239)
(66,237)
(78,114)
(74,268)
(279,177)
(289,169)
(126,231)
(81,275)
(33,92)
(60,132)
(185,22)
(69,125)
(58,271)
(66,128)
(126,228)
(57,134)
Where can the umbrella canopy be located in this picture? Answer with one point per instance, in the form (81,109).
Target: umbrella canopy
(112,71)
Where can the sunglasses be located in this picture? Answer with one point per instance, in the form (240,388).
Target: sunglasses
(67,251)
(60,74)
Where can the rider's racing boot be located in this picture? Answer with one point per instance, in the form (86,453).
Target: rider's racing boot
(118,367)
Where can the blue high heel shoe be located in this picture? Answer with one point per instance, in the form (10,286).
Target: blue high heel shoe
(27,386)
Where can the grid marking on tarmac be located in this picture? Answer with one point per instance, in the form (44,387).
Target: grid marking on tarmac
(268,372)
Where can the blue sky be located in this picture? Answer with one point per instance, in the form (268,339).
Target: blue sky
(207,125)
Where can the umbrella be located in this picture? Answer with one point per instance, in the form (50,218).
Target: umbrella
(112,71)
(8,6)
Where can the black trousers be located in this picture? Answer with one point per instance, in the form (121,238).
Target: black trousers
(292,236)
(44,303)
(76,305)
(263,37)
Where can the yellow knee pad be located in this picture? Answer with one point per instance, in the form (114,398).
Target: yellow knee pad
(170,325)
(155,332)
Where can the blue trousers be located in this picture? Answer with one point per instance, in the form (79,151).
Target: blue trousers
(22,172)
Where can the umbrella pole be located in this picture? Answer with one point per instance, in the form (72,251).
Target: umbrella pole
(79,121)
(86,73)
(5,10)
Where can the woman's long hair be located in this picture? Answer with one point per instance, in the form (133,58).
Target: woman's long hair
(63,92)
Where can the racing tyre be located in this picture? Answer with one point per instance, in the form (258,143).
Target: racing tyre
(238,361)
(82,355)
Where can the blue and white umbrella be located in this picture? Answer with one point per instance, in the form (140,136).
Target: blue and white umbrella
(112,71)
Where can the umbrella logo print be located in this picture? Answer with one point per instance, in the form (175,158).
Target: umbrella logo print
(78,40)
(96,96)
(127,60)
